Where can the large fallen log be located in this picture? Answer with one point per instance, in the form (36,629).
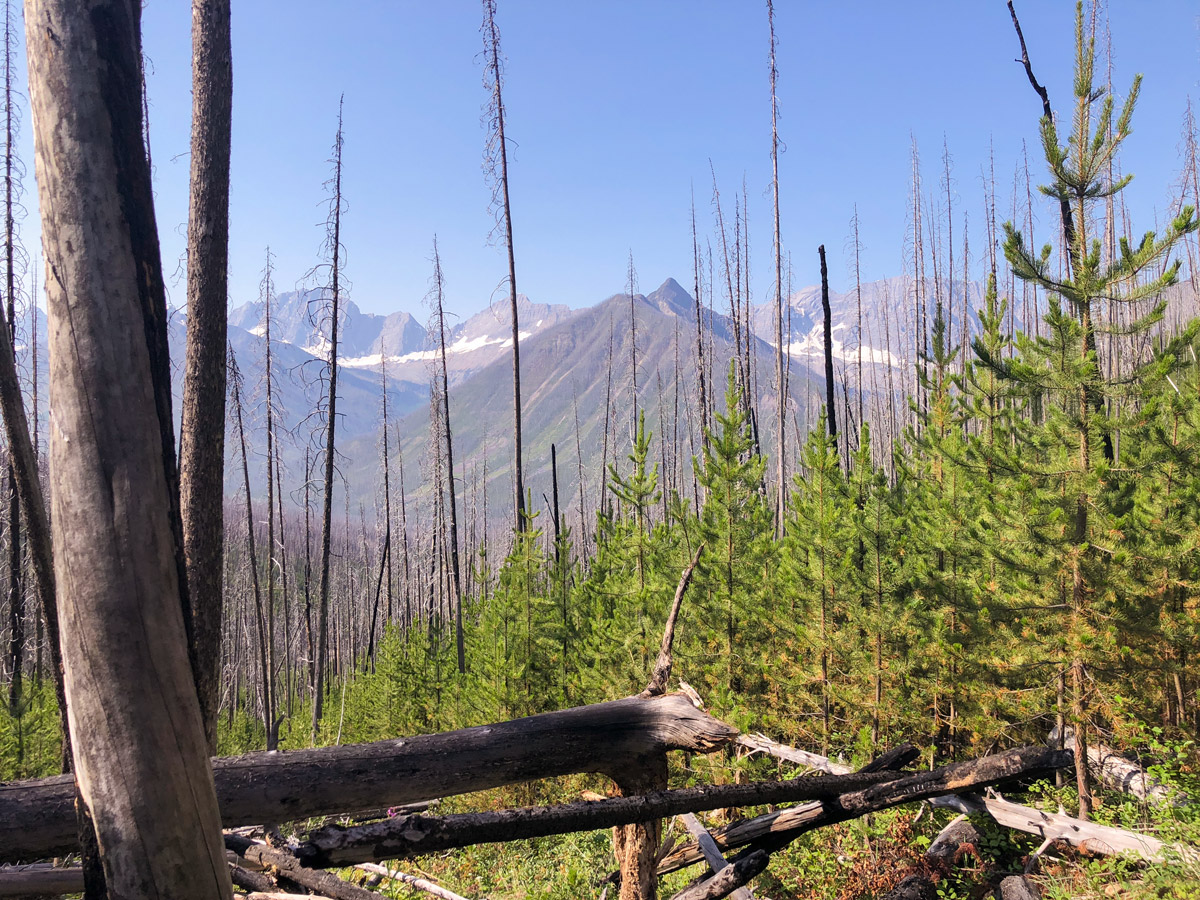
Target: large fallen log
(777,829)
(1117,773)
(1087,836)
(37,818)
(841,796)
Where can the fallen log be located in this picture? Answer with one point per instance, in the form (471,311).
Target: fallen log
(1087,836)
(336,845)
(775,830)
(844,796)
(47,880)
(1118,773)
(42,880)
(728,880)
(37,818)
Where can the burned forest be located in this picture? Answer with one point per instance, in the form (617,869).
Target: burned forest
(338,567)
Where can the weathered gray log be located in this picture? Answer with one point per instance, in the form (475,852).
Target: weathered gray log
(728,880)
(336,845)
(712,853)
(845,796)
(40,880)
(37,819)
(1088,836)
(777,829)
(1117,773)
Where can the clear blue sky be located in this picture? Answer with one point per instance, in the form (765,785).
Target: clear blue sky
(615,109)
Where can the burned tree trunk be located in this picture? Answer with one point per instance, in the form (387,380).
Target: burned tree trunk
(36,818)
(830,402)
(144,768)
(202,435)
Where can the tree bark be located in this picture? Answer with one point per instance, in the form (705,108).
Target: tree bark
(491,41)
(37,820)
(202,434)
(729,881)
(830,402)
(335,226)
(143,767)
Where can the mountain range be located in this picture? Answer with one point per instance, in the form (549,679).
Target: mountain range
(575,363)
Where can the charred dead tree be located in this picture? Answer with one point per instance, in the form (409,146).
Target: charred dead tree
(334,243)
(496,165)
(16,592)
(700,366)
(439,298)
(266,666)
(830,399)
(202,434)
(781,378)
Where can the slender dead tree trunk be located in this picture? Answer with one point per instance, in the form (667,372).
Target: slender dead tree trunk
(408,619)
(335,247)
(602,505)
(385,562)
(633,361)
(497,154)
(202,435)
(455,569)
(830,405)
(268,290)
(252,552)
(16,594)
(700,368)
(144,768)
(308,616)
(781,476)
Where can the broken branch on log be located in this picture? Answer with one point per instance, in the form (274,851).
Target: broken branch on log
(729,879)
(775,830)
(662,666)
(716,862)
(288,869)
(37,818)
(420,884)
(760,743)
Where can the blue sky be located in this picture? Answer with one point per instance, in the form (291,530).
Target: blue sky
(615,110)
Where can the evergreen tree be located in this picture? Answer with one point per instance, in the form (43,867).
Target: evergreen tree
(1085,496)
(815,567)
(738,566)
